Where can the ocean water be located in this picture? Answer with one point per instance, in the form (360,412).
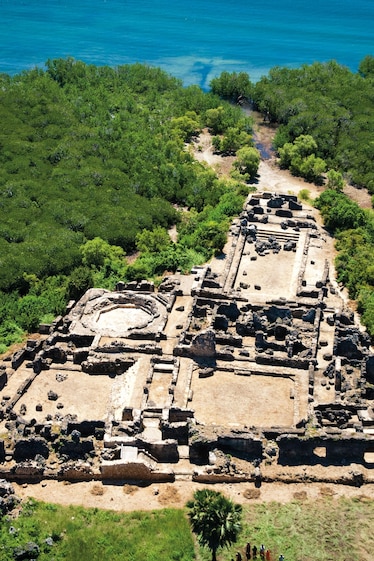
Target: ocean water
(193,40)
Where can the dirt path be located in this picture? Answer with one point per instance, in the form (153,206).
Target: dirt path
(203,151)
(130,497)
(272,176)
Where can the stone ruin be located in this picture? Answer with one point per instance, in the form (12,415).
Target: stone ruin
(254,359)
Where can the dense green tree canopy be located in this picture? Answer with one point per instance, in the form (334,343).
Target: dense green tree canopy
(93,164)
(90,152)
(232,86)
(247,162)
(329,111)
(354,231)
(153,241)
(335,180)
(339,212)
(300,157)
(332,105)
(366,67)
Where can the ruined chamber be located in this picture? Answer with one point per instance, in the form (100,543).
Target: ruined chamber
(252,361)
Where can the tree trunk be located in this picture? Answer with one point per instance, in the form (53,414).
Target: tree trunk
(214,555)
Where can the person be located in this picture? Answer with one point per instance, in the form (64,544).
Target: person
(238,556)
(281,557)
(254,552)
(262,551)
(248,551)
(267,555)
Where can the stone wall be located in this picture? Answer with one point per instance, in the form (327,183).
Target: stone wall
(341,450)
(242,445)
(134,471)
(164,451)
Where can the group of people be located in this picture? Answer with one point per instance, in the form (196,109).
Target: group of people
(251,553)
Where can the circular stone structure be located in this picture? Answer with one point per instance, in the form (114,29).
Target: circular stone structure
(117,314)
(123,318)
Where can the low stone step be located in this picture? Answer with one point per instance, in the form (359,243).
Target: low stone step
(180,476)
(163,367)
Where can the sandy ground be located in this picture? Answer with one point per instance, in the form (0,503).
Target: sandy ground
(270,177)
(282,181)
(130,497)
(124,497)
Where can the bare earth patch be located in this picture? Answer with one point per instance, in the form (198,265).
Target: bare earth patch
(252,493)
(300,495)
(156,496)
(169,496)
(129,489)
(203,151)
(327,492)
(98,490)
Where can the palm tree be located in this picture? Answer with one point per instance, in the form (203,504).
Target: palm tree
(215,519)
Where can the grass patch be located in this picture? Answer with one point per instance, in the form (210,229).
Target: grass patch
(48,318)
(303,530)
(304,195)
(97,535)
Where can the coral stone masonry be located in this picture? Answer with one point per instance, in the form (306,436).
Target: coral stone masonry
(251,361)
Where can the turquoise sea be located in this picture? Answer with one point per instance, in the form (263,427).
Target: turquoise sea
(193,40)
